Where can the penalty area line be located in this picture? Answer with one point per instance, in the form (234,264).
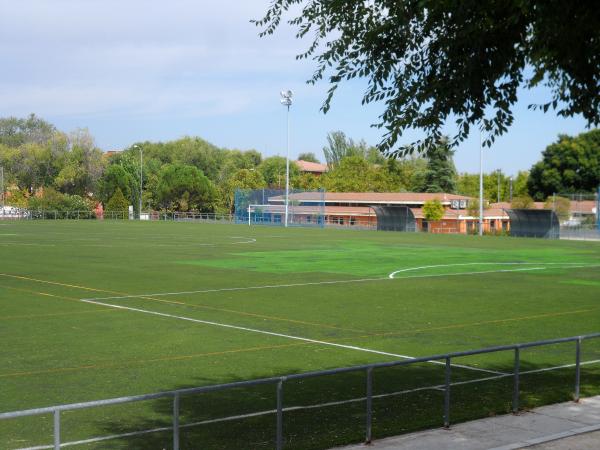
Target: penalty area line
(281,335)
(333,282)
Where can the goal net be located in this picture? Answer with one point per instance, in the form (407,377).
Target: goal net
(269,207)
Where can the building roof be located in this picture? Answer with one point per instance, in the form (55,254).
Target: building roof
(327,210)
(372,198)
(576,207)
(312,167)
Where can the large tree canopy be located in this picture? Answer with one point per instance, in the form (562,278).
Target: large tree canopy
(570,165)
(433,61)
(440,175)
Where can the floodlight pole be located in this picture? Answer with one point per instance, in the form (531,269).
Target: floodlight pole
(480,184)
(286,100)
(287,169)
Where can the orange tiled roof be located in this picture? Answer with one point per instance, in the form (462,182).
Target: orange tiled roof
(391,198)
(307,166)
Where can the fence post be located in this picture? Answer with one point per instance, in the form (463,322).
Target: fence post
(279,441)
(447,395)
(577,368)
(176,421)
(369,405)
(515,402)
(56,429)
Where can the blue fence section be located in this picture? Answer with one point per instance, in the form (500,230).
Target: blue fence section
(272,207)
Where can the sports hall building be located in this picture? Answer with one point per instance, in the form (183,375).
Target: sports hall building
(358,209)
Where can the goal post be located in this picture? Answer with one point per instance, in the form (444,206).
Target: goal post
(267,207)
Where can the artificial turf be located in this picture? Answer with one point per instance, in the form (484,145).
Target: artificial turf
(449,293)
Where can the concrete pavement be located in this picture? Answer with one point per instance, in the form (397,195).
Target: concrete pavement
(558,427)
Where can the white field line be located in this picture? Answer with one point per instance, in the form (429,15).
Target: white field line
(248,240)
(436,266)
(244,288)
(439,387)
(286,336)
(355,280)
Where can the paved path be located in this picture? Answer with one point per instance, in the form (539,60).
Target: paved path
(555,427)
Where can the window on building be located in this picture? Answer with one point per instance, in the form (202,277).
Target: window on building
(352,220)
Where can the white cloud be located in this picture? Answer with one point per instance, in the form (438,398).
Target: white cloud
(73,57)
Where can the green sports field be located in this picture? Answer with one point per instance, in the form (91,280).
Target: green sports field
(92,310)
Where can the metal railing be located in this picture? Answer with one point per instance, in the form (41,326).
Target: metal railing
(24,214)
(279,381)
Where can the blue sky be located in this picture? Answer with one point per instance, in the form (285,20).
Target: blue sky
(140,70)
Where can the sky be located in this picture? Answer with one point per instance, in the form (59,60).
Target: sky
(151,70)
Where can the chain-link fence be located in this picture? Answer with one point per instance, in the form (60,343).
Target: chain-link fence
(269,207)
(13,213)
(578,215)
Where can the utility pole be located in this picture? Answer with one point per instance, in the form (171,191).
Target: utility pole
(480,183)
(510,196)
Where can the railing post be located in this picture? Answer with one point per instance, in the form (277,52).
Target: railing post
(279,439)
(577,368)
(176,421)
(56,429)
(515,402)
(368,437)
(447,395)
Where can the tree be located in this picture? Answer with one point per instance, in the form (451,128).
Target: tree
(308,156)
(242,179)
(185,188)
(410,172)
(83,165)
(15,132)
(308,182)
(433,210)
(116,177)
(572,164)
(118,203)
(355,174)
(273,170)
(50,199)
(440,175)
(430,62)
(524,202)
(339,147)
(374,156)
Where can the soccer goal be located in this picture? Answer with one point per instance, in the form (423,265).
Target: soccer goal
(269,207)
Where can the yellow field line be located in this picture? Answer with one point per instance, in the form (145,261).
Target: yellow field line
(184,304)
(468,324)
(262,316)
(20,277)
(125,364)
(365,336)
(45,294)
(34,316)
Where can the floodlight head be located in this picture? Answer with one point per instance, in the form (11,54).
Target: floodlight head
(286,97)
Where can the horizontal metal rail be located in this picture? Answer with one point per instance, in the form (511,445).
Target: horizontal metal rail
(280,380)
